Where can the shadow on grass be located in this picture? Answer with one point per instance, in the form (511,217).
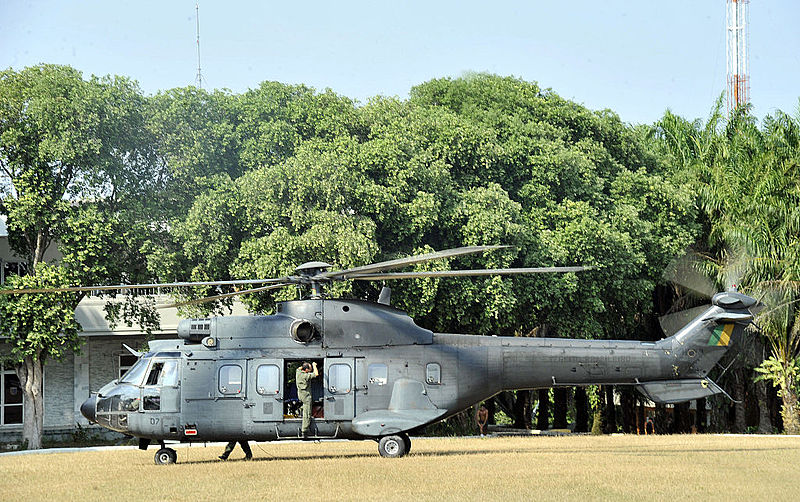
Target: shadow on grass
(660,451)
(345,456)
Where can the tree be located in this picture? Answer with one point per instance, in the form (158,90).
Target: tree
(747,184)
(75,161)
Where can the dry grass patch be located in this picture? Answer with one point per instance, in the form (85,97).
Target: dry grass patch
(548,468)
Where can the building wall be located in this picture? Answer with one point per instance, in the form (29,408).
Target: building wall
(58,393)
(67,383)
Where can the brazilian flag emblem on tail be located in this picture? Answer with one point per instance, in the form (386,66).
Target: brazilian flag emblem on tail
(721,335)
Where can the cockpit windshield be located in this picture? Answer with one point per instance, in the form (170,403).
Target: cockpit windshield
(136,373)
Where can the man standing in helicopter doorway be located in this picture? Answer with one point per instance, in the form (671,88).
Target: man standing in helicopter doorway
(303,377)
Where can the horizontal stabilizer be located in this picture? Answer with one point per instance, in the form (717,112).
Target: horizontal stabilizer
(377,423)
(678,391)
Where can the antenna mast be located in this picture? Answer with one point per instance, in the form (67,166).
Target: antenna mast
(738,36)
(199,77)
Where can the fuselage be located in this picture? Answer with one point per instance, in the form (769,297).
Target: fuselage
(232,377)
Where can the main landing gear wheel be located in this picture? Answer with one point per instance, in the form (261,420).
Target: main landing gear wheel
(166,456)
(392,446)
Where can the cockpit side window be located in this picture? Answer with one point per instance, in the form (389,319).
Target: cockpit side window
(169,374)
(155,372)
(135,375)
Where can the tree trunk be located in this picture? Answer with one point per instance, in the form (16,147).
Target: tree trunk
(700,415)
(719,414)
(522,412)
(30,378)
(581,410)
(560,408)
(681,424)
(628,402)
(739,422)
(610,413)
(764,420)
(791,422)
(661,422)
(543,416)
(492,409)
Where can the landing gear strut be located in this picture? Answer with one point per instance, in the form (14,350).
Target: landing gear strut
(165,456)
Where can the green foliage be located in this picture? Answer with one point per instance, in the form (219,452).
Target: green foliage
(477,160)
(748,186)
(777,372)
(78,165)
(40,326)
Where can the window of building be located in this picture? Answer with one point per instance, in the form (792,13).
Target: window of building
(268,380)
(10,398)
(10,268)
(339,378)
(230,379)
(126,362)
(378,374)
(433,374)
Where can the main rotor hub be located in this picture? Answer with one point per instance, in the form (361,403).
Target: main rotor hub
(309,272)
(312,268)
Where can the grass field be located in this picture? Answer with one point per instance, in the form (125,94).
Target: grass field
(676,468)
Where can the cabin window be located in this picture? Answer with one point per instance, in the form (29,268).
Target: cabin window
(433,374)
(230,379)
(126,362)
(268,380)
(378,374)
(10,398)
(339,379)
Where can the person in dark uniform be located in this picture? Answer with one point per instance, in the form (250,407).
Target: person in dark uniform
(248,454)
(303,376)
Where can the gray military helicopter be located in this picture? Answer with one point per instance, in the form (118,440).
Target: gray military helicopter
(383,376)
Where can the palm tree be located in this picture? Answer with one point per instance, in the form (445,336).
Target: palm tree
(748,185)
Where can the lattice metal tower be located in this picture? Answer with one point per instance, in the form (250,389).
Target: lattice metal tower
(738,41)
(199,77)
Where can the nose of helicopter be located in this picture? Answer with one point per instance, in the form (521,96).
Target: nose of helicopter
(89,408)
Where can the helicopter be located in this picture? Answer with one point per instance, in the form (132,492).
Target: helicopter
(383,377)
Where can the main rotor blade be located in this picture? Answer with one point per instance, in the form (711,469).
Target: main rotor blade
(142,286)
(402,262)
(224,295)
(466,273)
(672,323)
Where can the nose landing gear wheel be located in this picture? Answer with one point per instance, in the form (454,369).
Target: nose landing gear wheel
(166,456)
(392,446)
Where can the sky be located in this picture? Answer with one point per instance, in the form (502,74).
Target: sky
(637,58)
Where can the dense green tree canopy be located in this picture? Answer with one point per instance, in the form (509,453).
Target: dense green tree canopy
(76,165)
(476,160)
